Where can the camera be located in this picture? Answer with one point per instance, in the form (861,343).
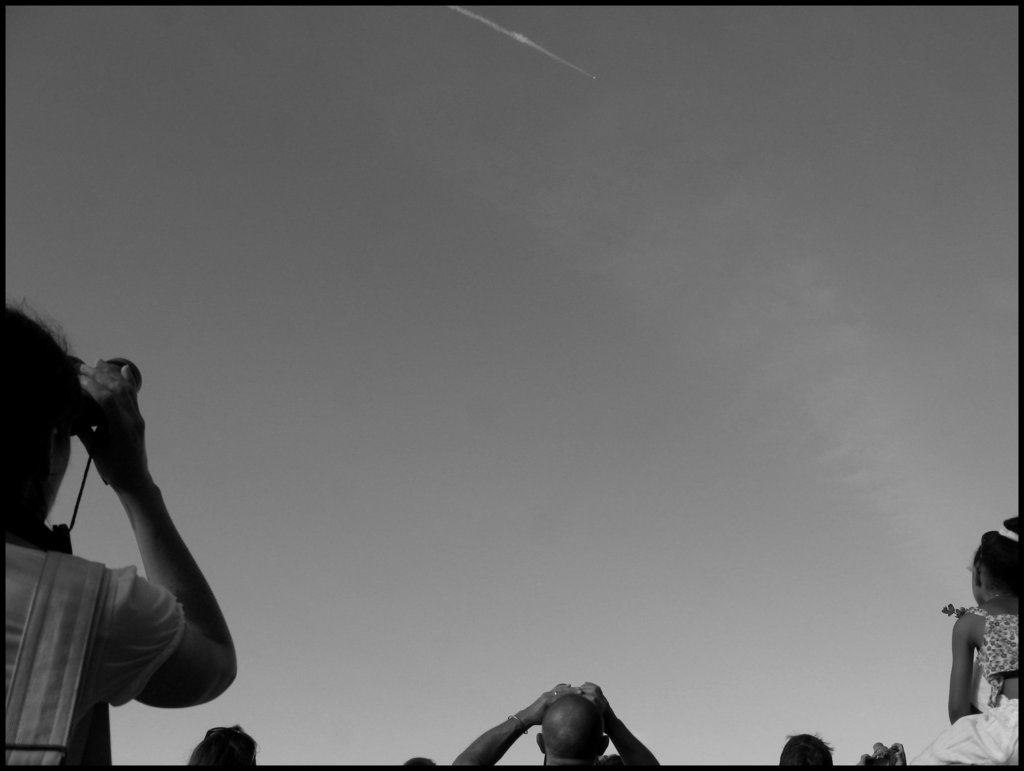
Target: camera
(886,756)
(90,417)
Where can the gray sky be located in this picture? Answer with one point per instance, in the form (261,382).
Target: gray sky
(466,374)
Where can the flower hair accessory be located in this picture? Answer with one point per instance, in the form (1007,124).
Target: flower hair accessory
(1009,534)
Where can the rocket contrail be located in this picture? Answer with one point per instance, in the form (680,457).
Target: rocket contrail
(519,38)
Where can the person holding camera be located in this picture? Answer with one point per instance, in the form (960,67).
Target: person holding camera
(81,635)
(576,726)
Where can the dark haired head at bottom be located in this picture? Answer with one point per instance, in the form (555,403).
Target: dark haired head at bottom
(230,746)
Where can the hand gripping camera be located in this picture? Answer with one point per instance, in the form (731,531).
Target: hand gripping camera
(90,417)
(87,421)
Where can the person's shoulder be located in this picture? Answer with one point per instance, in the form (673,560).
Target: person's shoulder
(971,624)
(125,582)
(17,551)
(26,556)
(21,556)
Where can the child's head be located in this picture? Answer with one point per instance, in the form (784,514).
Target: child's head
(225,747)
(995,562)
(806,750)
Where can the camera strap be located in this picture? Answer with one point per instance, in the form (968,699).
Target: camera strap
(78,500)
(56,539)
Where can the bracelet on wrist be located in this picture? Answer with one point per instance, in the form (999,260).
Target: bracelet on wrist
(518,719)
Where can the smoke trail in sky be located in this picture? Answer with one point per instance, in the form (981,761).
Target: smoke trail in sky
(519,38)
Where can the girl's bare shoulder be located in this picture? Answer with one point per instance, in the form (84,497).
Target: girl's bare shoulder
(970,627)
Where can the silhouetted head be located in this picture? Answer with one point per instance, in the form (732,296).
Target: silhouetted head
(225,747)
(41,399)
(805,750)
(996,561)
(417,761)
(572,732)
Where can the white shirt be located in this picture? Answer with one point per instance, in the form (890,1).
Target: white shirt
(137,628)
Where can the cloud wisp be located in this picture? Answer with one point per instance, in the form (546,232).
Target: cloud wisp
(519,38)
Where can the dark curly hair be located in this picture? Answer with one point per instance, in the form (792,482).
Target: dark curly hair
(229,746)
(45,393)
(999,556)
(806,750)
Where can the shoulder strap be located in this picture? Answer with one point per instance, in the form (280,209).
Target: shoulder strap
(48,668)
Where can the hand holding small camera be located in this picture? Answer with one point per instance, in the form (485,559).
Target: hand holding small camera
(113,429)
(885,756)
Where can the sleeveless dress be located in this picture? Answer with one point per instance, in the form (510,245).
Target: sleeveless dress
(1000,650)
(991,738)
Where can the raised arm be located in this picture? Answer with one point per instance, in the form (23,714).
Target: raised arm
(204,664)
(492,745)
(630,749)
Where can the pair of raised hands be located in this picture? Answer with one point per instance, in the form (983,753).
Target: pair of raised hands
(534,714)
(884,756)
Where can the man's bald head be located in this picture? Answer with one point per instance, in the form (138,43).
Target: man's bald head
(573,729)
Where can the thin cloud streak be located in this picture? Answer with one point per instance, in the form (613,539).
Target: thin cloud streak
(519,38)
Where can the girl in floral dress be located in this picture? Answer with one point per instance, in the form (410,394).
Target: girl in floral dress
(983,709)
